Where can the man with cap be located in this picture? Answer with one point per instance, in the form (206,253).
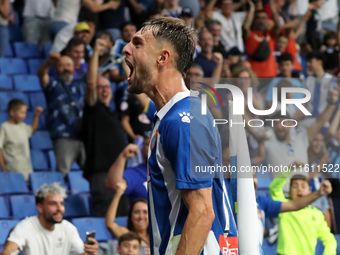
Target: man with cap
(84,30)
(187,16)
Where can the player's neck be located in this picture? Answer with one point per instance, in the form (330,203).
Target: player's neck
(46,225)
(167,87)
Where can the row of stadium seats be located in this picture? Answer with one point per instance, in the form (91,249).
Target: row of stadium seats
(20,66)
(32,99)
(20,82)
(27,50)
(14,183)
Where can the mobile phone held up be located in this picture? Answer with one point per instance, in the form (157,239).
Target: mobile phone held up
(90,234)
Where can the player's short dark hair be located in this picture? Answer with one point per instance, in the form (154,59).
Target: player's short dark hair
(298,177)
(127,23)
(285,57)
(179,35)
(315,54)
(129,237)
(74,42)
(15,104)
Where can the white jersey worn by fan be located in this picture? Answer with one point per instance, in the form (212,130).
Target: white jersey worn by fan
(33,239)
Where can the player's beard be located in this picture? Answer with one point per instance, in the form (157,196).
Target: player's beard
(142,77)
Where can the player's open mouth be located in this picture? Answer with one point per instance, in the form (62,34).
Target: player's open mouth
(128,63)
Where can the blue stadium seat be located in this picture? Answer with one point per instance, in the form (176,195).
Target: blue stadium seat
(34,64)
(23,206)
(15,34)
(75,207)
(37,179)
(3,117)
(122,221)
(88,224)
(4,210)
(41,140)
(9,52)
(39,160)
(75,167)
(27,82)
(26,50)
(5,227)
(29,119)
(47,49)
(6,82)
(13,66)
(78,184)
(38,99)
(12,183)
(52,160)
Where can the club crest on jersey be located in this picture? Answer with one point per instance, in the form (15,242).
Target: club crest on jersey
(185,117)
(154,140)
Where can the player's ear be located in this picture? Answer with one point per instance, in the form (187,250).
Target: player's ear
(164,58)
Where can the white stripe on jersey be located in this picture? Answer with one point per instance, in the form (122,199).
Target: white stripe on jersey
(211,246)
(226,212)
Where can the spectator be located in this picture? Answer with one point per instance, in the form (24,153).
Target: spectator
(75,49)
(285,61)
(297,9)
(330,49)
(282,149)
(205,57)
(215,28)
(138,220)
(302,228)
(134,177)
(103,135)
(173,9)
(65,102)
(37,16)
(106,67)
(138,10)
(127,30)
(84,30)
(186,15)
(260,43)
(48,232)
(4,33)
(133,118)
(314,27)
(67,12)
(231,33)
(14,136)
(129,244)
(319,83)
(329,13)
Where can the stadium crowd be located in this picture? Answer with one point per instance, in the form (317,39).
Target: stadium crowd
(94,122)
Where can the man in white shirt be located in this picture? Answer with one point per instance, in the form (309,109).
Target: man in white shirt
(48,233)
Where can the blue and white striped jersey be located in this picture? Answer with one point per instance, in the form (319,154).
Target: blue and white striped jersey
(183,139)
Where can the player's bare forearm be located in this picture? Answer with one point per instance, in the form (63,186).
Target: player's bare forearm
(198,223)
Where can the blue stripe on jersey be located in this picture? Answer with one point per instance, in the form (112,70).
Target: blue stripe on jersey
(170,160)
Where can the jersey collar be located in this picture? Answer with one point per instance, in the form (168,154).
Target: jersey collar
(164,110)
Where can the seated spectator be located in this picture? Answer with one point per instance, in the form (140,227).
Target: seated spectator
(127,30)
(65,102)
(37,16)
(129,244)
(134,177)
(4,33)
(319,83)
(173,9)
(138,220)
(314,25)
(260,42)
(330,49)
(283,149)
(302,228)
(103,135)
(134,120)
(14,138)
(84,30)
(231,33)
(215,28)
(285,61)
(67,12)
(205,57)
(48,232)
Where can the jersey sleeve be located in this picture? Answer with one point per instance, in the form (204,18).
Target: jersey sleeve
(270,207)
(18,235)
(187,151)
